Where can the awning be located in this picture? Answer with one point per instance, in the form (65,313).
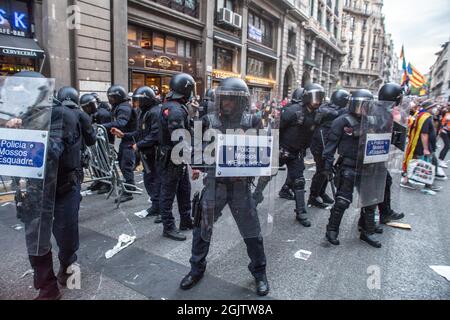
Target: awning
(20,47)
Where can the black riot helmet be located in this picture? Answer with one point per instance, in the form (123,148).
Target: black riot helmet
(145,97)
(232,97)
(360,100)
(391,92)
(209,95)
(97,97)
(340,98)
(68,96)
(182,86)
(314,95)
(117,95)
(297,95)
(88,103)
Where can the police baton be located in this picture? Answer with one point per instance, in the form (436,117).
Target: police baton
(145,164)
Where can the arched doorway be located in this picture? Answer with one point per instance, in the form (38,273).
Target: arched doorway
(288,85)
(306,78)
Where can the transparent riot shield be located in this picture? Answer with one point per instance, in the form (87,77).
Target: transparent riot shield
(240,158)
(373,153)
(29,152)
(228,203)
(401,116)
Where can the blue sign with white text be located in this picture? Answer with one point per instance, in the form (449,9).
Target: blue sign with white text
(22,153)
(378,147)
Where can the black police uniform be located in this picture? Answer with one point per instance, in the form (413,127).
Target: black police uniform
(71,128)
(236,193)
(147,140)
(324,120)
(175,180)
(297,129)
(344,137)
(104,115)
(125,119)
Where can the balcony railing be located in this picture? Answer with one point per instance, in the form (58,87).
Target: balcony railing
(190,8)
(358,10)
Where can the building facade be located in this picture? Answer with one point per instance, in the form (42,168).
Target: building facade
(440,75)
(364,38)
(275,46)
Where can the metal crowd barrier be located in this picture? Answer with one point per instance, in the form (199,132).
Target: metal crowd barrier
(104,167)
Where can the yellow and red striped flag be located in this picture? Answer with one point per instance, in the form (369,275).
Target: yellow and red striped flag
(415,77)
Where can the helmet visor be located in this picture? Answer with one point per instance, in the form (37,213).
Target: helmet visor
(229,102)
(315,98)
(359,106)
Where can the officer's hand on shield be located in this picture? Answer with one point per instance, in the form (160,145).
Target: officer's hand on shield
(196,174)
(14,123)
(117,133)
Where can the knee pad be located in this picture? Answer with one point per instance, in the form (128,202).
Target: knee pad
(300,184)
(342,204)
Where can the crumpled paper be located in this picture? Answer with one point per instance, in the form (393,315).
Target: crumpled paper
(443,271)
(124,242)
(303,255)
(142,214)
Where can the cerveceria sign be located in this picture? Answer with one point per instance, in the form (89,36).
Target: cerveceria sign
(21,53)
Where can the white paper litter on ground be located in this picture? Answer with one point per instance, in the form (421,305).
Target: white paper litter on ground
(124,242)
(141,214)
(17,227)
(303,255)
(6,204)
(28,272)
(443,271)
(86,193)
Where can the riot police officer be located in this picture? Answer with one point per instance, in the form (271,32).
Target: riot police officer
(394,93)
(326,115)
(103,114)
(175,180)
(233,112)
(207,102)
(146,139)
(345,138)
(125,120)
(286,191)
(297,129)
(70,130)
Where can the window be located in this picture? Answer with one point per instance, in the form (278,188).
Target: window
(158,41)
(312,7)
(132,36)
(146,40)
(223,59)
(171,45)
(264,26)
(259,68)
(228,4)
(188,49)
(181,48)
(292,43)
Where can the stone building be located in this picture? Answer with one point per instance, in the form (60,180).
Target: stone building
(363,35)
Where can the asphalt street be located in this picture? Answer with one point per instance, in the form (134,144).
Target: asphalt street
(153,266)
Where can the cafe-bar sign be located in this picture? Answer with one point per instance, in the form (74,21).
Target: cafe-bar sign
(14,22)
(164,63)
